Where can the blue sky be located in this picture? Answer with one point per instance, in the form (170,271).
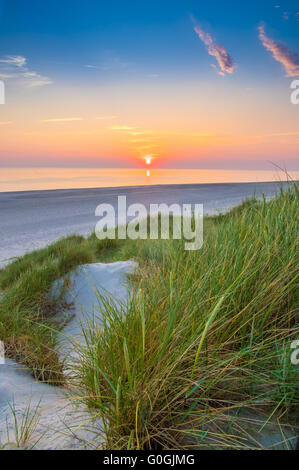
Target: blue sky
(146,56)
(136,36)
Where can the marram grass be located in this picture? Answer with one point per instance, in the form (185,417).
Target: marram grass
(201,353)
(205,337)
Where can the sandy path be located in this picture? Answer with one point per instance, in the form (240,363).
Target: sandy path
(59,423)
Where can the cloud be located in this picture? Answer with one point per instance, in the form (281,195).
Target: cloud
(35,79)
(138,141)
(218,71)
(120,128)
(5,123)
(225,61)
(109,64)
(62,119)
(281,53)
(6,76)
(146,147)
(15,68)
(15,60)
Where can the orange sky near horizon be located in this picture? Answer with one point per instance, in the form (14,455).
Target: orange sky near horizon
(111,127)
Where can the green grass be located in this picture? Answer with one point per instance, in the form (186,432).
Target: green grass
(206,335)
(23,427)
(27,311)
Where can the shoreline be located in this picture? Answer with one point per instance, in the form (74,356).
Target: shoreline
(151,186)
(53,178)
(31,220)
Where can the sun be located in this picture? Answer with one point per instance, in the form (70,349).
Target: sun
(148,159)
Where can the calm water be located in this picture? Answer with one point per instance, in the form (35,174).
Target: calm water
(29,179)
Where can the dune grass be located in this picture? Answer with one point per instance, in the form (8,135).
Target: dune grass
(204,339)
(20,434)
(27,310)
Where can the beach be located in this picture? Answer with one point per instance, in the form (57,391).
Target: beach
(31,220)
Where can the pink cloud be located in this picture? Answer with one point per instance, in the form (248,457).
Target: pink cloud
(225,61)
(281,53)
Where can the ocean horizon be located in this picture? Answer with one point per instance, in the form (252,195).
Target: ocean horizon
(38,179)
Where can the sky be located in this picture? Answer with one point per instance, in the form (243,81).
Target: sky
(179,84)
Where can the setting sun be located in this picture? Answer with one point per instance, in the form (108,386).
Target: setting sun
(148,159)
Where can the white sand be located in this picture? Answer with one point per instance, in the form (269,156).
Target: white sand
(88,283)
(32,220)
(59,422)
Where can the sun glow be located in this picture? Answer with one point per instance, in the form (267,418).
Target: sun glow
(148,159)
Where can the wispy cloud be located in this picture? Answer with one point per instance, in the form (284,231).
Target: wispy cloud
(35,79)
(291,14)
(62,119)
(224,59)
(15,68)
(120,128)
(138,141)
(6,76)
(147,147)
(281,53)
(110,63)
(5,123)
(14,60)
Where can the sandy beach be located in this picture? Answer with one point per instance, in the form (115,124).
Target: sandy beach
(31,220)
